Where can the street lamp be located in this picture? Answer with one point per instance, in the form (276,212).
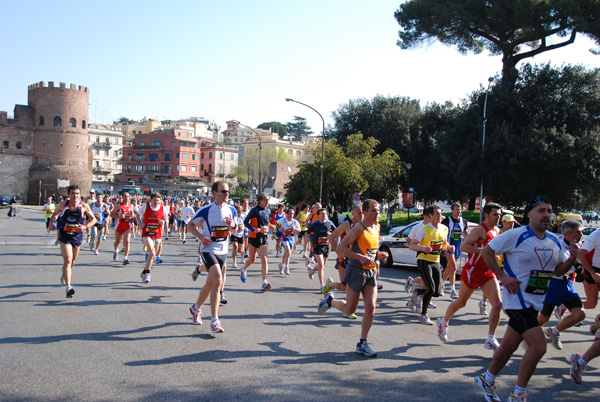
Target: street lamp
(408,167)
(490,80)
(322,143)
(259,149)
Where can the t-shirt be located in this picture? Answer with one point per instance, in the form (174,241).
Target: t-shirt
(49,210)
(288,227)
(318,232)
(187,213)
(531,260)
(429,236)
(592,243)
(216,227)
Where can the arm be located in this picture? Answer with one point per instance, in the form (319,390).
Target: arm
(415,243)
(343,228)
(564,266)
(477,235)
(344,248)
(115,212)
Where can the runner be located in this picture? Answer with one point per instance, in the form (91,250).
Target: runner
(124,212)
(245,209)
(475,274)
(217,219)
(313,216)
(187,212)
(99,209)
(590,261)
(301,218)
(71,215)
(579,363)
(532,255)
(319,232)
(48,209)
(90,200)
(458,229)
(136,211)
(257,222)
(561,294)
(237,238)
(172,222)
(360,246)
(151,220)
(429,242)
(277,215)
(287,227)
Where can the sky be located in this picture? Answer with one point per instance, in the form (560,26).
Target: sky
(233,60)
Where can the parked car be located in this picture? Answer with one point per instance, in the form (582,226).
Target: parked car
(399,253)
(4,200)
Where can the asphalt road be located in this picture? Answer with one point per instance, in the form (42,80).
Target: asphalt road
(119,339)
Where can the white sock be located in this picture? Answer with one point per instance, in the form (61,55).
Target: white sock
(581,362)
(214,318)
(489,377)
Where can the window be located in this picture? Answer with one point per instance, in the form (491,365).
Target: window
(194,157)
(128,157)
(41,120)
(220,155)
(202,155)
(97,139)
(176,155)
(173,143)
(18,145)
(57,121)
(236,140)
(210,167)
(153,157)
(72,122)
(83,124)
(232,158)
(139,168)
(139,157)
(184,168)
(5,144)
(97,151)
(154,168)
(183,155)
(142,144)
(116,141)
(177,168)
(168,156)
(106,153)
(194,169)
(210,155)
(202,167)
(155,143)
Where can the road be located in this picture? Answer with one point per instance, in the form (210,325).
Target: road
(119,339)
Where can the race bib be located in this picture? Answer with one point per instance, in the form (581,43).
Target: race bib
(219,233)
(97,217)
(538,282)
(323,240)
(437,247)
(289,233)
(372,254)
(70,228)
(456,235)
(126,217)
(152,229)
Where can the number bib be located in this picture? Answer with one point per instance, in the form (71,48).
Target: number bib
(538,282)
(152,229)
(437,247)
(289,233)
(126,217)
(323,240)
(456,235)
(219,233)
(70,228)
(97,217)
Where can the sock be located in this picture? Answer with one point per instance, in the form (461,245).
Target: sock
(146,271)
(362,340)
(489,377)
(453,287)
(555,331)
(581,362)
(196,306)
(518,390)
(214,318)
(491,336)
(265,281)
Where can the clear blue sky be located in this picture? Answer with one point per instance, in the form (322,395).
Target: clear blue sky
(234,59)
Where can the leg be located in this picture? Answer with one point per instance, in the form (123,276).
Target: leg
(234,251)
(591,293)
(67,251)
(149,243)
(264,264)
(126,241)
(251,257)
(464,295)
(349,305)
(320,268)
(577,315)
(492,289)
(536,349)
(117,240)
(369,298)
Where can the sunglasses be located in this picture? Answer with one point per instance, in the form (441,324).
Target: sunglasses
(224,191)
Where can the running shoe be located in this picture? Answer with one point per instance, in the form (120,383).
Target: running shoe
(311,272)
(242,261)
(432,306)
(223,299)
(286,270)
(56,242)
(408,284)
(595,327)
(92,246)
(379,286)
(235,266)
(70,291)
(104,238)
(442,329)
(215,327)
(277,255)
(364,348)
(145,277)
(265,286)
(560,310)
(196,273)
(184,243)
(96,252)
(442,290)
(411,307)
(115,256)
(327,288)
(350,316)
(243,275)
(414,295)
(522,397)
(554,338)
(159,260)
(87,239)
(576,369)
(419,305)
(424,319)
(196,315)
(483,308)
(491,343)
(125,261)
(280,268)
(453,294)
(489,389)
(325,304)
(307,261)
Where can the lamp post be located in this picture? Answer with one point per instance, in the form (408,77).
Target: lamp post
(487,91)
(322,143)
(259,149)
(408,167)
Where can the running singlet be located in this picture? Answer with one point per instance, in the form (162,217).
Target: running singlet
(531,260)
(240,227)
(257,218)
(456,231)
(318,232)
(366,244)
(70,221)
(216,226)
(126,213)
(287,227)
(476,270)
(432,238)
(152,218)
(302,219)
(591,243)
(98,211)
(49,210)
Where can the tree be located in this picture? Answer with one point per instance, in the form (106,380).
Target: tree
(251,164)
(514,29)
(298,128)
(276,127)
(123,120)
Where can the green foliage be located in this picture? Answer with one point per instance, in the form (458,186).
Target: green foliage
(514,29)
(276,127)
(123,120)
(239,192)
(298,128)
(250,164)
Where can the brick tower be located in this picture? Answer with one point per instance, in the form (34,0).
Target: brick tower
(60,137)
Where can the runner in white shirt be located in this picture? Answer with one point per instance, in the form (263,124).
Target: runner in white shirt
(187,212)
(532,255)
(288,227)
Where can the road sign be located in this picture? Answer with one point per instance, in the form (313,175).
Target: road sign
(356,196)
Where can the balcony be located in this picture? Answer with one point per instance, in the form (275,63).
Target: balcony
(146,147)
(103,145)
(101,170)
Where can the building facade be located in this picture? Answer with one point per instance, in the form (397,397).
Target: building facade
(106,143)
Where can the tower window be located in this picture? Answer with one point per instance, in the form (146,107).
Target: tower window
(5,144)
(18,145)
(41,120)
(83,124)
(72,122)
(57,121)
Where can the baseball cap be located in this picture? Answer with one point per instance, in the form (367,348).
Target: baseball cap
(508,218)
(92,191)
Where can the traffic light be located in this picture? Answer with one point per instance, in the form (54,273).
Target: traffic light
(206,173)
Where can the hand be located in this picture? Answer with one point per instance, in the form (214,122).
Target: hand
(228,221)
(364,260)
(511,284)
(52,226)
(382,255)
(574,250)
(427,249)
(206,240)
(451,249)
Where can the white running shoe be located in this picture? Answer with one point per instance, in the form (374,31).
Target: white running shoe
(96,252)
(196,315)
(408,284)
(491,343)
(483,308)
(489,389)
(215,327)
(286,270)
(442,329)
(280,268)
(311,272)
(560,310)
(424,319)
(453,294)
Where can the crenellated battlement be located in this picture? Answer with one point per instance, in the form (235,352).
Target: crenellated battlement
(62,85)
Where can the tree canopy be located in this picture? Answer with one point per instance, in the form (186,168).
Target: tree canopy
(298,128)
(123,120)
(276,127)
(514,29)
(248,172)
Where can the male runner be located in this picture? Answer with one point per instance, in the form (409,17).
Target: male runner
(71,215)
(151,220)
(430,241)
(124,212)
(458,229)
(319,232)
(578,363)
(99,209)
(590,261)
(48,209)
(237,238)
(245,209)
(90,200)
(360,246)
(277,215)
(217,219)
(532,255)
(187,212)
(301,218)
(561,293)
(287,227)
(475,274)
(257,223)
